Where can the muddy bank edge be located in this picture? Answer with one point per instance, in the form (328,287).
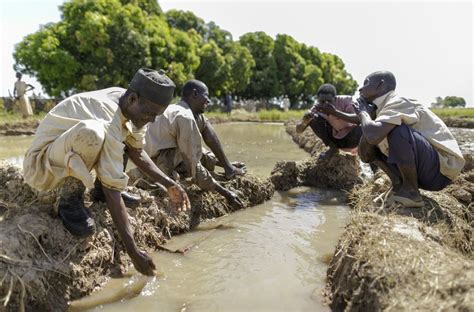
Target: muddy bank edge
(42,266)
(391,258)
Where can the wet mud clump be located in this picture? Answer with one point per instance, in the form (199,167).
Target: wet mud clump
(395,258)
(42,266)
(27,127)
(341,171)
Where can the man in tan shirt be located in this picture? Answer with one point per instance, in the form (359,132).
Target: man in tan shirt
(89,131)
(173,141)
(406,140)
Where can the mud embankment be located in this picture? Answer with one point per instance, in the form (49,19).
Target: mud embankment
(42,266)
(393,258)
(341,171)
(457,122)
(19,128)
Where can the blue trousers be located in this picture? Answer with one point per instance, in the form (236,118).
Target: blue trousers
(408,147)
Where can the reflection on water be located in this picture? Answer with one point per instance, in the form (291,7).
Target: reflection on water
(13,148)
(260,146)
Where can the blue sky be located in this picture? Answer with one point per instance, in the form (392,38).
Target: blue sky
(428,45)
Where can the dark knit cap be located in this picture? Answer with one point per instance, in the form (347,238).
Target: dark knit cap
(153,85)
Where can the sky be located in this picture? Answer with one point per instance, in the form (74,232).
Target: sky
(428,45)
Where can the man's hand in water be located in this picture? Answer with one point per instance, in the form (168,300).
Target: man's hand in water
(233,200)
(143,263)
(235,169)
(178,197)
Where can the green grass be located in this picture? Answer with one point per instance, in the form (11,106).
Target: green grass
(15,117)
(454,112)
(262,115)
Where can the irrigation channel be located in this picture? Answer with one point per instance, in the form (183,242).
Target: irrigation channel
(271,257)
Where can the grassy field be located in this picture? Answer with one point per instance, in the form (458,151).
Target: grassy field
(262,115)
(454,112)
(242,115)
(15,117)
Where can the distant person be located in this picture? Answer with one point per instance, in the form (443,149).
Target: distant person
(406,140)
(173,141)
(333,120)
(19,92)
(286,103)
(89,131)
(228,103)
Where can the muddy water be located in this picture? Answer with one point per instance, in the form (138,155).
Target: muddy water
(13,148)
(267,258)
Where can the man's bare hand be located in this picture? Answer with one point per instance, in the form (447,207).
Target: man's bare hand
(235,169)
(143,263)
(234,200)
(178,197)
(325,108)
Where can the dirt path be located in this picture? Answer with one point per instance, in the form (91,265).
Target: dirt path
(43,267)
(391,258)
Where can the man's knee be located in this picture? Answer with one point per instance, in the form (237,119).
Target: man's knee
(91,131)
(90,135)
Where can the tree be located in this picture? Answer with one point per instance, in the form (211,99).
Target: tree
(290,67)
(186,20)
(454,101)
(264,82)
(214,69)
(334,72)
(438,103)
(42,56)
(221,37)
(241,64)
(448,102)
(102,43)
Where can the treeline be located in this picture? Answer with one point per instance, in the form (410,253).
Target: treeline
(449,102)
(101,43)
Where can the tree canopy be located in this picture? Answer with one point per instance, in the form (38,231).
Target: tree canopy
(101,43)
(449,101)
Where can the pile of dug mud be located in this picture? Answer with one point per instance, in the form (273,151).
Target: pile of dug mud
(42,266)
(342,171)
(27,127)
(393,258)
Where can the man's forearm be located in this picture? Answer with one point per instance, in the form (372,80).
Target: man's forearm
(374,131)
(120,218)
(141,159)
(211,140)
(352,118)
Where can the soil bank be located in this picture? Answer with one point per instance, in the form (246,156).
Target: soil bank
(42,266)
(392,258)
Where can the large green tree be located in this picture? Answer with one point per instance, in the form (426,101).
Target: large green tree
(186,20)
(291,67)
(100,43)
(334,72)
(454,101)
(264,83)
